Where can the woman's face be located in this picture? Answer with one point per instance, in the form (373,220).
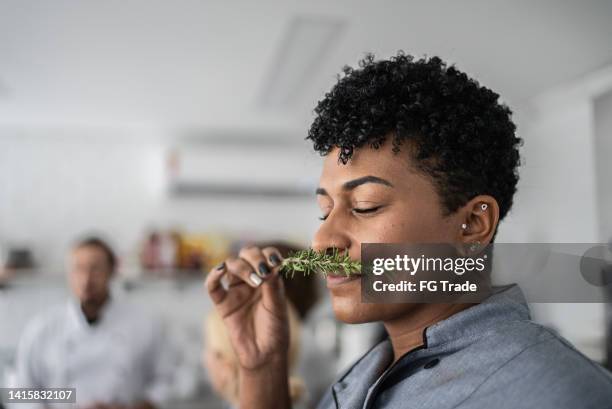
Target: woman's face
(377,197)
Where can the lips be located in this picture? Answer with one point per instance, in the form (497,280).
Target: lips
(336,280)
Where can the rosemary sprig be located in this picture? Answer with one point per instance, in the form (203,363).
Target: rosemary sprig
(312,261)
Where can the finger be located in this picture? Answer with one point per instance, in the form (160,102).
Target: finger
(240,268)
(256,258)
(273,293)
(273,289)
(213,283)
(230,298)
(274,257)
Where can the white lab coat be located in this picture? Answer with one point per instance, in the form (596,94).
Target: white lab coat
(123,358)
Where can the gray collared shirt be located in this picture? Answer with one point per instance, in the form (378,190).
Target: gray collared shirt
(488,356)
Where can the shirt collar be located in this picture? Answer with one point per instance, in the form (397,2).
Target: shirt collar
(351,390)
(505,304)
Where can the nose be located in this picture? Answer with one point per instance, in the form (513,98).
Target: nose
(331,235)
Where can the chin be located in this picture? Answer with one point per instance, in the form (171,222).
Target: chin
(351,310)
(348,307)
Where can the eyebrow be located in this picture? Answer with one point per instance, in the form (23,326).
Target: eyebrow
(352,184)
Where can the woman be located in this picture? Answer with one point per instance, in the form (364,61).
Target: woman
(415,152)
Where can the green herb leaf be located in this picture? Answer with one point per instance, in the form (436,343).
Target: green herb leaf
(312,261)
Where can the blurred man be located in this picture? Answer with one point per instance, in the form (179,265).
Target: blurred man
(113,354)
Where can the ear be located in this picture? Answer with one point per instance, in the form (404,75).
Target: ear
(480,217)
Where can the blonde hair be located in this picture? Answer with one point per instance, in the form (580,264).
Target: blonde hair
(217,341)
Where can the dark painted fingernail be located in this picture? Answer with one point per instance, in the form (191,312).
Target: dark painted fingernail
(263,269)
(220,266)
(274,259)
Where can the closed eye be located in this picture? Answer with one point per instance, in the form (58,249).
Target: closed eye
(367,210)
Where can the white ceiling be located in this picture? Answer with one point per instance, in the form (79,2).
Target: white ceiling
(184,63)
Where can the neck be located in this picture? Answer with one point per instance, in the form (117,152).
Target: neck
(407,332)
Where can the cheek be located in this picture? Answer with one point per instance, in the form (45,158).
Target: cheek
(75,282)
(396,226)
(406,224)
(102,283)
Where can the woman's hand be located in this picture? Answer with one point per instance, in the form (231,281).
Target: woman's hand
(254,310)
(253,307)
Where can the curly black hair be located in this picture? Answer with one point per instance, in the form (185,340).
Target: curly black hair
(461,135)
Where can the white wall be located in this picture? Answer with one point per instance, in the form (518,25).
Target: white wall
(603,141)
(54,188)
(558,197)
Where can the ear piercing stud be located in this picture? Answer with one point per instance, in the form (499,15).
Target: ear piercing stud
(483,207)
(474,246)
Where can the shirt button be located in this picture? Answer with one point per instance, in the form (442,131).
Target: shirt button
(431,363)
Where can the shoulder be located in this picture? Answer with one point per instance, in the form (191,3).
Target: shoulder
(130,311)
(533,345)
(529,361)
(136,322)
(47,321)
(43,327)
